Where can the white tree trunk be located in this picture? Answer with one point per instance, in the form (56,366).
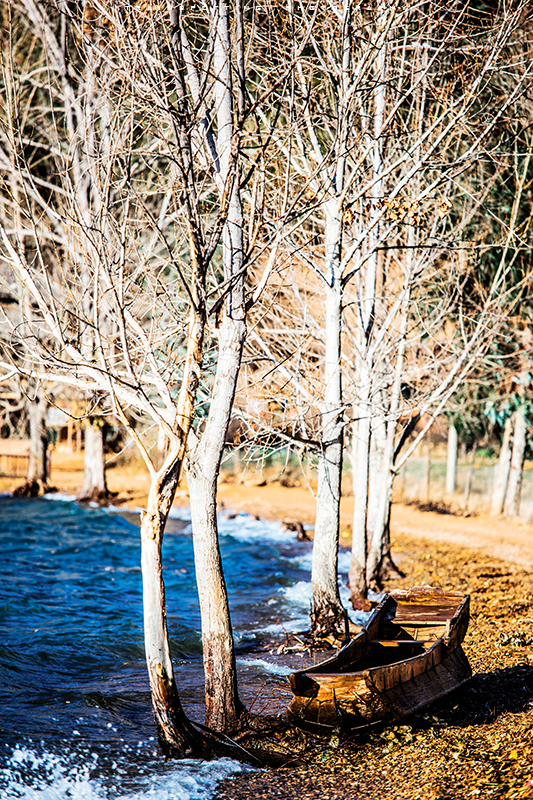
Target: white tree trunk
(38,465)
(514,484)
(176,735)
(499,489)
(94,478)
(377,467)
(451,461)
(223,707)
(379,561)
(327,613)
(361,447)
(367,509)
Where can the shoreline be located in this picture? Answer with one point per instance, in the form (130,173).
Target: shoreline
(507,539)
(476,743)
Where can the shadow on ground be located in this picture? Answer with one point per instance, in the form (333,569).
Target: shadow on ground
(487,696)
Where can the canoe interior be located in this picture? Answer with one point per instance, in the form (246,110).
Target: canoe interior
(407,655)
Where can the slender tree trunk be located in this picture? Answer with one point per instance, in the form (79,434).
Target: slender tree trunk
(469,478)
(499,489)
(427,477)
(362,446)
(367,519)
(94,479)
(514,485)
(223,707)
(327,613)
(177,736)
(222,704)
(451,462)
(388,570)
(379,561)
(357,572)
(37,478)
(376,466)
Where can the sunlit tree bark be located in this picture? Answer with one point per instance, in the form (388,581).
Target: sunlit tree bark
(94,478)
(122,265)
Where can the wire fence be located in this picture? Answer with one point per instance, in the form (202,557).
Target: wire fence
(425,482)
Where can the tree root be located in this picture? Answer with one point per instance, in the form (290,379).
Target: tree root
(34,488)
(96,496)
(327,620)
(360,602)
(388,570)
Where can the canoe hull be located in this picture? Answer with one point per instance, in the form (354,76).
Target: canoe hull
(358,704)
(370,681)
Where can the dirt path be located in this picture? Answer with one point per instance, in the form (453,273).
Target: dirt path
(508,539)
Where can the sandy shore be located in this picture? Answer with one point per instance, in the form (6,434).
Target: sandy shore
(508,539)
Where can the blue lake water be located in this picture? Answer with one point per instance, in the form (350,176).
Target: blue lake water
(75,713)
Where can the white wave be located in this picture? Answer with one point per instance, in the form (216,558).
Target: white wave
(61,497)
(180,512)
(46,776)
(111,509)
(265,666)
(247,528)
(299,594)
(304,560)
(242,526)
(293,625)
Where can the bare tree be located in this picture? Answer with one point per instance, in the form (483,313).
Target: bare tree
(127,278)
(395,126)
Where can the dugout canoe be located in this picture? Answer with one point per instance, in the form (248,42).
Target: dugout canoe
(407,656)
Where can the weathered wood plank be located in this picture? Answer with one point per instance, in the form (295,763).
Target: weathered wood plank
(377,676)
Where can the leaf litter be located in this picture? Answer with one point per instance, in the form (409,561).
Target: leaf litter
(475,743)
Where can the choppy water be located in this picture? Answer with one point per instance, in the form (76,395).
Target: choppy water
(75,714)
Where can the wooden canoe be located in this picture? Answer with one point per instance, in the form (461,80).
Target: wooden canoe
(407,656)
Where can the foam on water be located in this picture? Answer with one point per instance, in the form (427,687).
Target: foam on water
(294,625)
(180,512)
(33,775)
(299,594)
(61,497)
(247,528)
(265,666)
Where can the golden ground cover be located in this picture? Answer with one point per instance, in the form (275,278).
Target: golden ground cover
(477,743)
